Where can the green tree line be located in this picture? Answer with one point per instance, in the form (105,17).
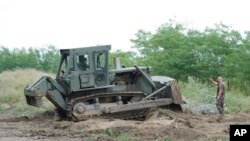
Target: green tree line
(46,59)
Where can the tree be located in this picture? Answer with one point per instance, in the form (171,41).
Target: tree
(46,59)
(49,58)
(127,58)
(178,52)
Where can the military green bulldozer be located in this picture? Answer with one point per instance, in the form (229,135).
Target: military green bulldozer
(84,87)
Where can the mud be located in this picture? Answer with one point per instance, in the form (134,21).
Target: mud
(160,125)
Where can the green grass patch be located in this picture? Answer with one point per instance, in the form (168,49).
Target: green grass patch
(237,103)
(109,132)
(118,136)
(124,137)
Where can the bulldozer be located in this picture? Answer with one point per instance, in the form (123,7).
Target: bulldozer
(84,87)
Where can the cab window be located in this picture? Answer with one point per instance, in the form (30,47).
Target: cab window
(64,66)
(100,61)
(82,62)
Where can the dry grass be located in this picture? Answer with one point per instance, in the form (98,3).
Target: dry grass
(12,83)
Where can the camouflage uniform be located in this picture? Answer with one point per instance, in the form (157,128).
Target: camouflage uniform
(220,101)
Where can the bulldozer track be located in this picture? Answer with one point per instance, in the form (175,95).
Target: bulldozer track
(130,115)
(135,114)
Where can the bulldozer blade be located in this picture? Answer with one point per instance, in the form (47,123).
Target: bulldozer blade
(176,94)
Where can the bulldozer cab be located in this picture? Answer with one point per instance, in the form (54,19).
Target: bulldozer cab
(84,68)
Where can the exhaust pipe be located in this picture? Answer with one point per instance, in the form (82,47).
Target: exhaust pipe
(117,63)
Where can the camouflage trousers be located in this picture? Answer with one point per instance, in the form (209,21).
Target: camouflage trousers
(220,105)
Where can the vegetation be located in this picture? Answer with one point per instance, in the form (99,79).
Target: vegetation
(112,134)
(128,59)
(45,59)
(12,100)
(176,51)
(201,99)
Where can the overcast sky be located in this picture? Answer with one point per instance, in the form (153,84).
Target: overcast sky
(79,23)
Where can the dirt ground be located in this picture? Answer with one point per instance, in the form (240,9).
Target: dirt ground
(161,125)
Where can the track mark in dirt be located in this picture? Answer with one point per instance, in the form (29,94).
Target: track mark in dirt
(17,119)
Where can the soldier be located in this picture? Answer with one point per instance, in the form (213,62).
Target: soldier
(83,63)
(221,91)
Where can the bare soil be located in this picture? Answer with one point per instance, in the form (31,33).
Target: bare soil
(160,125)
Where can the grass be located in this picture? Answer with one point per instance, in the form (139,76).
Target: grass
(202,97)
(118,136)
(80,130)
(12,99)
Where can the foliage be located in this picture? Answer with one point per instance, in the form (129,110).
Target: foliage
(179,52)
(45,59)
(110,133)
(128,58)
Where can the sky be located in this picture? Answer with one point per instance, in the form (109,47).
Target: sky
(80,23)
